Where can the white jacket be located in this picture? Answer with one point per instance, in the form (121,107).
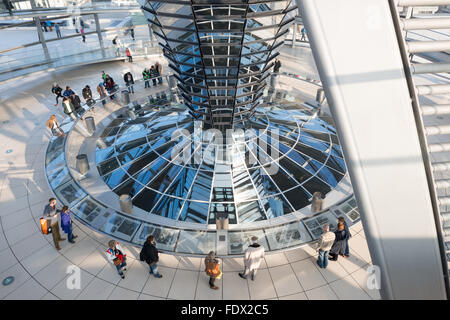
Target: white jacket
(110,253)
(253,257)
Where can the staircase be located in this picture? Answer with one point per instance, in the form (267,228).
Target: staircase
(429,84)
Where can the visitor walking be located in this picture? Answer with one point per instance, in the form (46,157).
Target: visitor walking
(338,247)
(110,87)
(66,224)
(212,269)
(149,254)
(349,235)
(68,92)
(153,74)
(116,42)
(159,69)
(324,245)
(129,81)
(276,66)
(57,90)
(102,92)
(82,34)
(58,30)
(49,25)
(87,96)
(146,76)
(54,127)
(303,38)
(252,259)
(51,215)
(132,33)
(116,256)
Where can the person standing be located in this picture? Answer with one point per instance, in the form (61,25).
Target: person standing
(54,127)
(68,108)
(338,247)
(56,89)
(110,87)
(132,33)
(324,245)
(75,24)
(303,38)
(87,96)
(66,224)
(102,92)
(51,215)
(277,66)
(212,269)
(8,6)
(76,102)
(349,235)
(44,26)
(149,254)
(153,74)
(159,69)
(116,256)
(58,30)
(146,76)
(128,53)
(68,92)
(49,25)
(129,81)
(252,259)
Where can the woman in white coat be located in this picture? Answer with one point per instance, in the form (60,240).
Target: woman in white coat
(252,259)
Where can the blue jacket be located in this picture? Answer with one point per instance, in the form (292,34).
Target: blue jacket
(66,222)
(68,93)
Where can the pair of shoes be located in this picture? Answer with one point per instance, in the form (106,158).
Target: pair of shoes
(346,255)
(158,276)
(214,287)
(72,241)
(122,276)
(253,278)
(124,269)
(317,261)
(62,239)
(242,276)
(58,248)
(75,237)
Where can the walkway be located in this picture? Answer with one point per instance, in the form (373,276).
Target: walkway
(40,270)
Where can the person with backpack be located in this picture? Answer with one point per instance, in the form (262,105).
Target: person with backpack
(66,224)
(146,76)
(252,258)
(116,256)
(117,44)
(149,254)
(82,35)
(212,269)
(57,90)
(51,215)
(129,81)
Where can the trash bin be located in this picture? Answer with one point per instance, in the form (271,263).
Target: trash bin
(90,124)
(317,202)
(222,221)
(125,96)
(125,203)
(82,164)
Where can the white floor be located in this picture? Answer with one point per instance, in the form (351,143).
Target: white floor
(40,271)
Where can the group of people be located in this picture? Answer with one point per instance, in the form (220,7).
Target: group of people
(70,101)
(333,244)
(154,73)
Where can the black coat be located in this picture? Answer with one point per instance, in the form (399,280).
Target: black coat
(76,101)
(87,93)
(150,253)
(131,78)
(339,243)
(57,90)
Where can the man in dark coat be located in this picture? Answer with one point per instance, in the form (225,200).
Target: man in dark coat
(338,247)
(149,254)
(76,104)
(57,90)
(277,66)
(347,230)
(87,95)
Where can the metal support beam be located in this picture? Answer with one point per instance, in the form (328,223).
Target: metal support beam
(294,34)
(150,32)
(385,161)
(42,38)
(99,33)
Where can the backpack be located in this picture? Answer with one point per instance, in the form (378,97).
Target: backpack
(142,255)
(114,41)
(212,268)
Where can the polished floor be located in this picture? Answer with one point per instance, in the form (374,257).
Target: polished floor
(40,271)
